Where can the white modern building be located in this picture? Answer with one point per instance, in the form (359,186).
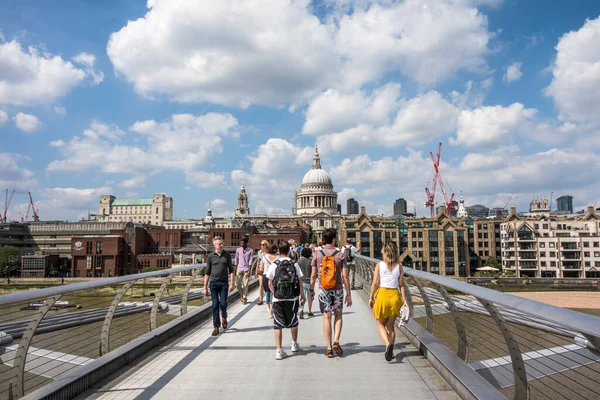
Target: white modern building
(552,247)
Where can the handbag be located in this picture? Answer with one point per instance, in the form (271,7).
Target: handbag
(404,314)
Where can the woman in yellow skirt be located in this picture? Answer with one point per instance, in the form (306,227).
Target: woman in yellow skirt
(385,300)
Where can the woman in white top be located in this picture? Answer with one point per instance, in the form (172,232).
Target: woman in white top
(268,258)
(385,301)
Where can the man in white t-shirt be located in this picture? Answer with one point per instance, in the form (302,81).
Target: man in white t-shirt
(285,308)
(350,252)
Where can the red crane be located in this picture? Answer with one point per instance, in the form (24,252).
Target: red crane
(437,177)
(7,200)
(35,211)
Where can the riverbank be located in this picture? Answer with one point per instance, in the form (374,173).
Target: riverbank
(569,299)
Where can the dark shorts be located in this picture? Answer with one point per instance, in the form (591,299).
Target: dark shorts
(266,287)
(285,314)
(331,300)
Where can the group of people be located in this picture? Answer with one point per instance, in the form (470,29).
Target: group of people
(288,276)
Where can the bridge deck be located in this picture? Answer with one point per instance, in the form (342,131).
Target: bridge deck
(240,363)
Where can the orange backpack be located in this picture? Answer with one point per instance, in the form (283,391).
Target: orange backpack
(328,271)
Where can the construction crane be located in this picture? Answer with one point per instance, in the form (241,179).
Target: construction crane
(7,200)
(499,212)
(35,211)
(437,178)
(550,204)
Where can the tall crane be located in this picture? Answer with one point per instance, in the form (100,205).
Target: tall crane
(437,178)
(7,200)
(499,212)
(35,211)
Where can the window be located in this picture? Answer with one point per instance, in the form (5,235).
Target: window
(596,244)
(322,222)
(156,210)
(414,234)
(586,253)
(542,254)
(597,254)
(551,244)
(552,254)
(542,245)
(586,244)
(553,263)
(88,247)
(420,234)
(99,247)
(537,226)
(545,226)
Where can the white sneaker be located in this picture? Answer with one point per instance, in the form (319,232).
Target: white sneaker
(295,347)
(281,354)
(270,315)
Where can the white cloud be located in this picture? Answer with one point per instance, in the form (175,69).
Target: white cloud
(60,110)
(57,143)
(88,60)
(220,208)
(13,176)
(3,117)
(185,143)
(27,122)
(333,111)
(275,174)
(487,126)
(513,72)
(417,121)
(69,203)
(575,87)
(228,52)
(33,77)
(426,42)
(474,94)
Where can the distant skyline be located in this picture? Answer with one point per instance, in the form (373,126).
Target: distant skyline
(193,97)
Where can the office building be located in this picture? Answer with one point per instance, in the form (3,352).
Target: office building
(564,204)
(400,207)
(351,206)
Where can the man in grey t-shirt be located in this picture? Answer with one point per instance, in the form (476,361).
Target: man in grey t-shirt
(219,271)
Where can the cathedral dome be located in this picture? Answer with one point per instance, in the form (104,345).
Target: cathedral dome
(316,177)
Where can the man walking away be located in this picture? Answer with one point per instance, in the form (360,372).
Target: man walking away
(305,266)
(285,281)
(219,272)
(350,252)
(243,262)
(329,264)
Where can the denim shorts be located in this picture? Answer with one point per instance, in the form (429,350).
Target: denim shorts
(268,297)
(306,288)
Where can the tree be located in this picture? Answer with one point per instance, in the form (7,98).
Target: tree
(492,262)
(10,260)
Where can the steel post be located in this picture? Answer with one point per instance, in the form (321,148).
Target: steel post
(105,333)
(17,383)
(463,349)
(157,297)
(519,373)
(184,299)
(427,303)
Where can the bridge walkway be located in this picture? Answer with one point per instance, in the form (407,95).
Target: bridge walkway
(240,363)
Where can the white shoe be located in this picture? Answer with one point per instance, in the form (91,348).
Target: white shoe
(281,354)
(295,347)
(270,316)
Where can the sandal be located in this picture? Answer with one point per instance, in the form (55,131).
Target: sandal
(329,353)
(337,348)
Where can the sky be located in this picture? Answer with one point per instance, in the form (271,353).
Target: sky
(192,98)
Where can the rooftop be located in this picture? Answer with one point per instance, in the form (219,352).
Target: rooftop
(132,202)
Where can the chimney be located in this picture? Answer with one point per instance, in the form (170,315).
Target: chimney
(362,210)
(443,209)
(591,210)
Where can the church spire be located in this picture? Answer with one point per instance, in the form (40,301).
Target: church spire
(316,159)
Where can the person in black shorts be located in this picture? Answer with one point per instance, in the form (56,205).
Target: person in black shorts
(285,310)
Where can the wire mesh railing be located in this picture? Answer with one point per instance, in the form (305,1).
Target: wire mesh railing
(47,334)
(525,349)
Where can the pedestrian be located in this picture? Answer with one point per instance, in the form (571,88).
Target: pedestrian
(330,266)
(385,300)
(285,281)
(243,263)
(350,252)
(219,273)
(260,271)
(268,259)
(305,266)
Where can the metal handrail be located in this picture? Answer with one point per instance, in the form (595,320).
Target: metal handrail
(74,287)
(583,323)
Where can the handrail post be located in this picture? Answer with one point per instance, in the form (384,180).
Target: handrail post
(427,304)
(105,333)
(17,383)
(518,365)
(157,300)
(463,349)
(184,299)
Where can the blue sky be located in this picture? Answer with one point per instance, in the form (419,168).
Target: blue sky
(192,98)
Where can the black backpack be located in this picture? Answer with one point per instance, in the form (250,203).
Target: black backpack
(285,282)
(348,253)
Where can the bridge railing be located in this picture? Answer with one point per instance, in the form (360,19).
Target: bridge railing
(523,348)
(46,334)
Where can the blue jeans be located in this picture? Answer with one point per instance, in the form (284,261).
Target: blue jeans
(218,292)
